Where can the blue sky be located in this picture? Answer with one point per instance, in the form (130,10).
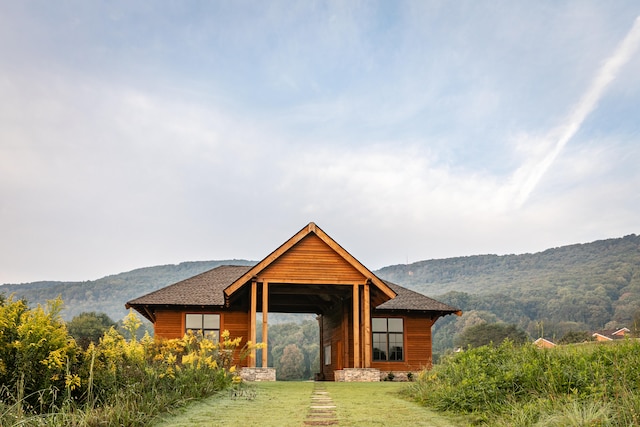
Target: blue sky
(144,133)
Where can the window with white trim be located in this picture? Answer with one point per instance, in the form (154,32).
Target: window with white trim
(388,339)
(204,323)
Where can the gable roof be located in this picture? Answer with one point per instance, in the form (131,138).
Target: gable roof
(600,337)
(311,228)
(207,289)
(214,288)
(610,334)
(544,343)
(621,332)
(204,289)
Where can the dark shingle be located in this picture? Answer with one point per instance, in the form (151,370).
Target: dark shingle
(414,301)
(204,289)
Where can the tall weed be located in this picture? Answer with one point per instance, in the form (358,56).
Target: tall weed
(499,384)
(48,381)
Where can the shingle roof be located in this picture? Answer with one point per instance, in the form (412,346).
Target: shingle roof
(208,289)
(204,289)
(612,334)
(413,301)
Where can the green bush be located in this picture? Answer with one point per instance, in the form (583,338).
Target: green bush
(36,351)
(48,380)
(577,381)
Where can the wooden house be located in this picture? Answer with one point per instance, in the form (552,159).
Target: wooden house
(544,343)
(368,326)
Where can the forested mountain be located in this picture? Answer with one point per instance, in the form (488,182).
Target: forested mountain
(109,294)
(577,287)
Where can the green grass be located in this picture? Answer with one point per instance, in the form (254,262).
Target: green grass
(275,404)
(287,404)
(380,404)
(591,384)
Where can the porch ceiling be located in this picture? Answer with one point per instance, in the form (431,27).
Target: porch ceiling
(300,298)
(297,298)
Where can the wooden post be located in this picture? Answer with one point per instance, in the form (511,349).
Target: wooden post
(252,321)
(345,334)
(366,308)
(265,323)
(320,320)
(356,326)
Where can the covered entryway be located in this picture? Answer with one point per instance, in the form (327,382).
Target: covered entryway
(311,273)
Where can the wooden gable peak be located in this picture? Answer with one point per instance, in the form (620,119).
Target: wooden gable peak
(310,228)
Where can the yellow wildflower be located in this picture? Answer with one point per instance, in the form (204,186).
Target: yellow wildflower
(72,381)
(171,359)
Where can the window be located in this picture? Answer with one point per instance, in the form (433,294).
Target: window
(207,324)
(388,339)
(327,354)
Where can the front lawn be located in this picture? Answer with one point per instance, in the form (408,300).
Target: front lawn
(288,403)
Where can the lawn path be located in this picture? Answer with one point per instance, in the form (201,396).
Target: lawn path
(322,411)
(298,404)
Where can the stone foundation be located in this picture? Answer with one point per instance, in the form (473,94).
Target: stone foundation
(258,374)
(357,375)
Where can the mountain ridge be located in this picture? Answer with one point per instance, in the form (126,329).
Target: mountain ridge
(585,283)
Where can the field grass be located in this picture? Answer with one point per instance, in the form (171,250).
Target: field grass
(380,404)
(287,404)
(275,404)
(596,384)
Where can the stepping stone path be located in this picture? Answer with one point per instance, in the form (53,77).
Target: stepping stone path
(322,411)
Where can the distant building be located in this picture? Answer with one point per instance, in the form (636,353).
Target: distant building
(610,334)
(543,343)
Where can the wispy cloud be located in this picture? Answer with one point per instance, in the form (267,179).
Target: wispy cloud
(527,177)
(181,132)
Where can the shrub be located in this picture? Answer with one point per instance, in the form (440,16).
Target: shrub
(88,327)
(490,333)
(574,337)
(48,380)
(37,352)
(569,381)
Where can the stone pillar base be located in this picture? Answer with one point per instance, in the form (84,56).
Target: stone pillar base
(258,374)
(352,375)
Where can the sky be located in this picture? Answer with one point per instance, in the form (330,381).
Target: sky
(140,133)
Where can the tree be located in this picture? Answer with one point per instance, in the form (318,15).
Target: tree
(574,337)
(89,327)
(491,333)
(291,363)
(304,335)
(635,327)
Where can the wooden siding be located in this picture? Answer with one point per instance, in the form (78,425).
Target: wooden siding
(169,324)
(417,345)
(237,323)
(312,259)
(333,335)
